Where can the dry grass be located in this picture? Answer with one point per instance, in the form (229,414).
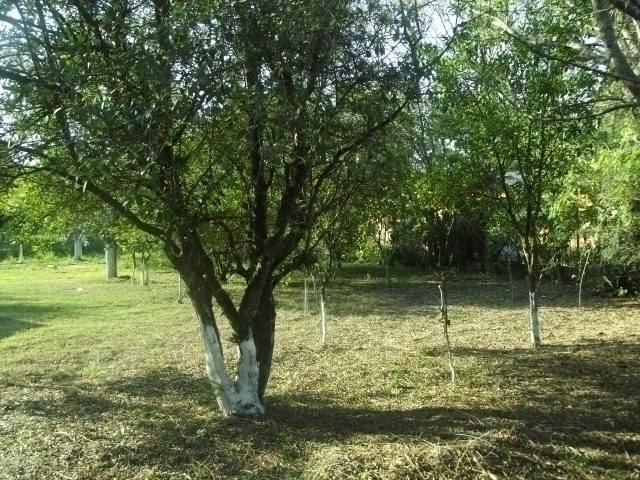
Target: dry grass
(108,383)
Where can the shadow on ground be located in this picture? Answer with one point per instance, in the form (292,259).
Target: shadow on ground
(568,400)
(17,315)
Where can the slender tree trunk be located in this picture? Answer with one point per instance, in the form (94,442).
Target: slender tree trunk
(77,246)
(111,260)
(584,270)
(253,326)
(144,268)
(323,316)
(133,267)
(306,296)
(444,317)
(387,269)
(20,254)
(510,277)
(180,300)
(264,331)
(533,301)
(313,280)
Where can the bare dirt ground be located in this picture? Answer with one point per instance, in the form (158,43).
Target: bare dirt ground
(118,390)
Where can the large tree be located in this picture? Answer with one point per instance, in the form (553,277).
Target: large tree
(228,130)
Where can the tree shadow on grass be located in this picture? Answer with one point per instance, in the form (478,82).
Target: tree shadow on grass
(15,315)
(556,404)
(11,326)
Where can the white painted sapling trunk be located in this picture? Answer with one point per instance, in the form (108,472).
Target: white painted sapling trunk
(306,297)
(77,247)
(535,320)
(180,299)
(133,267)
(240,396)
(144,270)
(323,319)
(111,261)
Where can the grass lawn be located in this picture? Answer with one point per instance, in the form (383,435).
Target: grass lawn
(104,380)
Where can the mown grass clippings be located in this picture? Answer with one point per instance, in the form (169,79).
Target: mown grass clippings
(104,380)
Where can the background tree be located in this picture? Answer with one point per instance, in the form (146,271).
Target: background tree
(496,102)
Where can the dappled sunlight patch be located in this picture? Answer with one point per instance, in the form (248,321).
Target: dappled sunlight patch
(398,459)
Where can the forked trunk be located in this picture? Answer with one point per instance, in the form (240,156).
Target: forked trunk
(253,325)
(239,396)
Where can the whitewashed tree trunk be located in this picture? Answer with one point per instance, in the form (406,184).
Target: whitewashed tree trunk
(20,254)
(306,297)
(535,320)
(531,254)
(77,246)
(111,260)
(323,319)
(144,270)
(313,279)
(133,267)
(240,396)
(180,299)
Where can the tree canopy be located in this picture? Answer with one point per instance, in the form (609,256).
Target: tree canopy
(228,130)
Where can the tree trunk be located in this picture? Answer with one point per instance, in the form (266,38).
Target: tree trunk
(133,267)
(444,317)
(20,254)
(323,310)
(180,288)
(264,331)
(111,260)
(253,326)
(323,319)
(533,303)
(235,397)
(77,246)
(144,269)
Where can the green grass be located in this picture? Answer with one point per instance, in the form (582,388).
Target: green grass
(104,380)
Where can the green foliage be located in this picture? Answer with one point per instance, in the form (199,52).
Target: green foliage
(498,106)
(615,174)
